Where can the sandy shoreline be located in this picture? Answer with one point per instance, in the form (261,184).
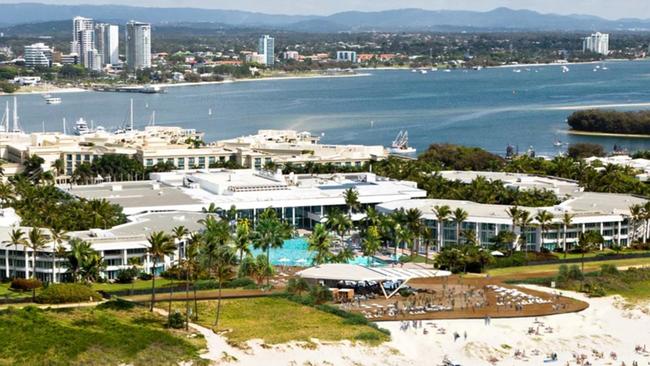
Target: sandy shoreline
(605,134)
(604,327)
(55,90)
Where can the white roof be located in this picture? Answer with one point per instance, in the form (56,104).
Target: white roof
(355,272)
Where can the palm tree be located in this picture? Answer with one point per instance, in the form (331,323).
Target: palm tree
(338,222)
(192,253)
(16,238)
(7,194)
(351,197)
(636,212)
(270,232)
(371,243)
(459,216)
(223,271)
(587,241)
(319,242)
(58,236)
(415,225)
(544,219)
(426,235)
(524,221)
(216,233)
(442,214)
(403,237)
(515,213)
(78,255)
(178,234)
(242,238)
(567,221)
(36,242)
(160,245)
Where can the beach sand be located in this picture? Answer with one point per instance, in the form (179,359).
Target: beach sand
(606,326)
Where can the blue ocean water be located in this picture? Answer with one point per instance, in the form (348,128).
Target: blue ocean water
(489,108)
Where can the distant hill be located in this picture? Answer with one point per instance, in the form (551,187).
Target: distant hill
(390,20)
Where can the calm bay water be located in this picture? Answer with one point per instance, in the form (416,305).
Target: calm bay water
(489,108)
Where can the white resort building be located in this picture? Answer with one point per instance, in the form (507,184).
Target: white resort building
(178,198)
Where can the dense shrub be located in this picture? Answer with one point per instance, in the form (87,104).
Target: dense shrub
(367,336)
(25,284)
(176,320)
(62,293)
(585,150)
(575,273)
(144,276)
(126,275)
(297,286)
(608,269)
(320,294)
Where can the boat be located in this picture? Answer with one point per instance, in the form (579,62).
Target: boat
(52,100)
(565,69)
(423,72)
(400,144)
(414,70)
(557,143)
(516,70)
(434,69)
(81,127)
(478,68)
(604,68)
(447,70)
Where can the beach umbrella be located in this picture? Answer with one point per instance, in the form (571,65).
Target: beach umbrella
(284,260)
(301,261)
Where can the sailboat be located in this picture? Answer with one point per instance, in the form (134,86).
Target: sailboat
(400,144)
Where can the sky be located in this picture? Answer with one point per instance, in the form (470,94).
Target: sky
(610,9)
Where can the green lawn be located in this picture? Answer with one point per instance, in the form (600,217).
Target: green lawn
(277,320)
(136,285)
(92,336)
(7,293)
(589,266)
(594,254)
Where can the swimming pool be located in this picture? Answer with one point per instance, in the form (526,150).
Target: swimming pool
(294,252)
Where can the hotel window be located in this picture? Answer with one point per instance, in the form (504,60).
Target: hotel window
(191,162)
(86,157)
(181,163)
(211,160)
(222,159)
(258,163)
(149,162)
(170,160)
(357,163)
(69,157)
(201,162)
(77,157)
(160,160)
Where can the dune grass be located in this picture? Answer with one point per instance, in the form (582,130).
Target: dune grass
(277,320)
(546,268)
(136,285)
(106,335)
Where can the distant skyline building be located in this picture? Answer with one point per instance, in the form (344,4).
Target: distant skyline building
(346,56)
(38,54)
(138,45)
(83,43)
(597,42)
(267,49)
(108,43)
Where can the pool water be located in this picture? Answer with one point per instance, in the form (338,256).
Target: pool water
(294,252)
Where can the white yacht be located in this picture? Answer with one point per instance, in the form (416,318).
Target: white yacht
(81,127)
(52,100)
(400,144)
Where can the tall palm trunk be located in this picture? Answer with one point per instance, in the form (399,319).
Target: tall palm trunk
(268,265)
(187,297)
(564,240)
(216,321)
(153,284)
(196,305)
(169,307)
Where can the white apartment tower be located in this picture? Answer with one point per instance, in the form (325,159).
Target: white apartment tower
(138,45)
(267,49)
(83,43)
(597,42)
(108,43)
(38,54)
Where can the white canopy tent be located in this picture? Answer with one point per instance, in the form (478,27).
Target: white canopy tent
(357,273)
